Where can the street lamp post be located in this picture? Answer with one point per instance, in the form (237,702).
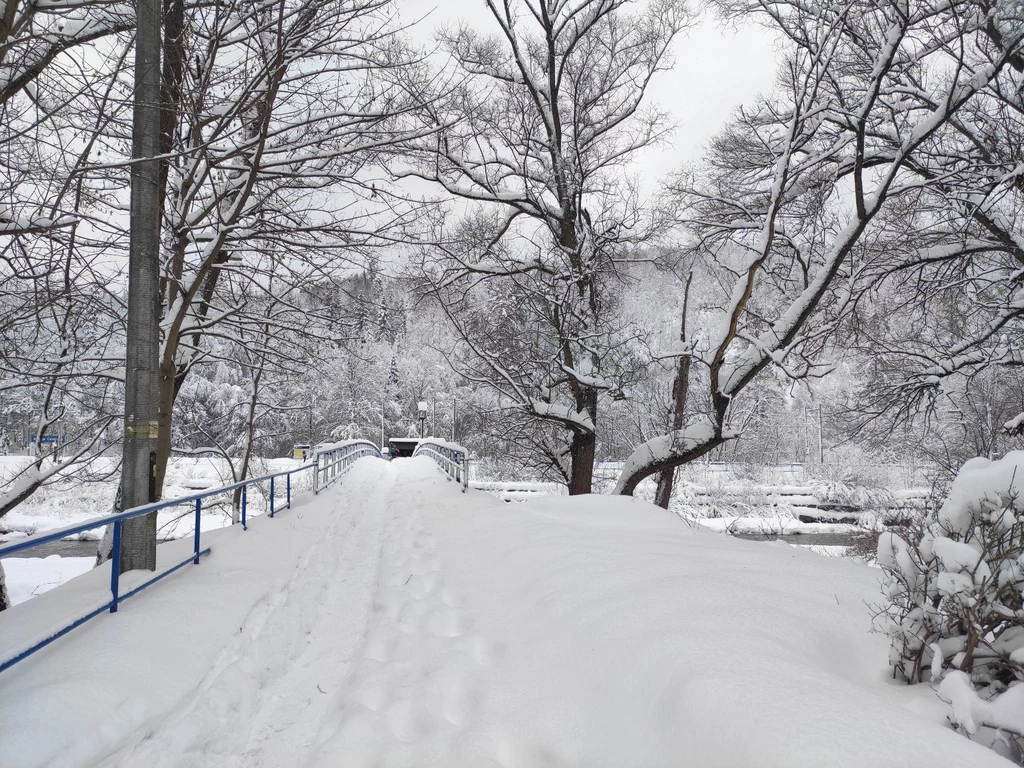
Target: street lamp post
(423,417)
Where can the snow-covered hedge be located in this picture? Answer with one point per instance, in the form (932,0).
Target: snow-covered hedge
(954,590)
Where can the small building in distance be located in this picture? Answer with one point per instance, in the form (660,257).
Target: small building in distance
(402,446)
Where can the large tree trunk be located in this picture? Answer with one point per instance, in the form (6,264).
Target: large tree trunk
(583,448)
(663,495)
(581,454)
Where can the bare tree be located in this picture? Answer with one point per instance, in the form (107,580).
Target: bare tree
(275,131)
(798,185)
(942,305)
(61,319)
(536,138)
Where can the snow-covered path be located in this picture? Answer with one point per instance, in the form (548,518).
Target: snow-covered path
(260,703)
(397,622)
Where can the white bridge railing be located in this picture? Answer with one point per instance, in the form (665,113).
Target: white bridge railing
(452,458)
(333,461)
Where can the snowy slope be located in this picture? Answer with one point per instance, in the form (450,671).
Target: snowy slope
(397,622)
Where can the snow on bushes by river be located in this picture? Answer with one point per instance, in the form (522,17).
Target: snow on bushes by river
(954,607)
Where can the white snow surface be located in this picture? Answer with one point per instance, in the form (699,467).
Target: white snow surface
(393,621)
(31,576)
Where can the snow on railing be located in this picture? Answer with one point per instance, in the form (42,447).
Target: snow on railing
(451,457)
(329,463)
(335,459)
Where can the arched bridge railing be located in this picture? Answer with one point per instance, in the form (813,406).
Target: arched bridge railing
(333,461)
(330,463)
(451,457)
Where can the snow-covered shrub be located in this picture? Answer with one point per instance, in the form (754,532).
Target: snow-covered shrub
(954,584)
(858,496)
(995,718)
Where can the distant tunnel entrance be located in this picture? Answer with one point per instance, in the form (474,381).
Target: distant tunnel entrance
(402,446)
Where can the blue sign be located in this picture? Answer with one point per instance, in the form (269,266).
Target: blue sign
(49,439)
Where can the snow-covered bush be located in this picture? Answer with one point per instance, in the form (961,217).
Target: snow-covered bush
(954,585)
(857,496)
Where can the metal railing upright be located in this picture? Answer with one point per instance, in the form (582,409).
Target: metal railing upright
(452,458)
(330,462)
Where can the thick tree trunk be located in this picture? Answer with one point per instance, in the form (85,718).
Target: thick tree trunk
(663,495)
(583,448)
(628,484)
(581,454)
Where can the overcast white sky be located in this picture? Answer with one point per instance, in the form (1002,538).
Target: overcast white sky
(716,70)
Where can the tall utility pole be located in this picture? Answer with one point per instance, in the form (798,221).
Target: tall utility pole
(821,452)
(142,361)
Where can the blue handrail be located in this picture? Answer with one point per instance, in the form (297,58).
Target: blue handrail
(451,457)
(328,464)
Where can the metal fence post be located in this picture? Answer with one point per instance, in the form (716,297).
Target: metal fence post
(288,490)
(245,498)
(199,512)
(271,497)
(115,566)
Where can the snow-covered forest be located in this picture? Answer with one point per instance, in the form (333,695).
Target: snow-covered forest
(814,314)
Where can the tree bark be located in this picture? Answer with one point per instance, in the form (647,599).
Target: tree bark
(581,453)
(631,482)
(680,387)
(250,436)
(5,598)
(663,494)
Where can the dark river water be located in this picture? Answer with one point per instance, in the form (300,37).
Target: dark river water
(822,539)
(62,548)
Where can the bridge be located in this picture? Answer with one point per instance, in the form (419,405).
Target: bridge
(393,618)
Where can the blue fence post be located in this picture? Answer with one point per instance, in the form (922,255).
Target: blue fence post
(199,512)
(288,490)
(271,497)
(115,566)
(245,498)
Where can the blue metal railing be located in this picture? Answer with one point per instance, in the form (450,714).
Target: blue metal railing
(328,465)
(451,457)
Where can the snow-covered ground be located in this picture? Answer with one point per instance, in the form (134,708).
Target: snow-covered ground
(394,621)
(28,577)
